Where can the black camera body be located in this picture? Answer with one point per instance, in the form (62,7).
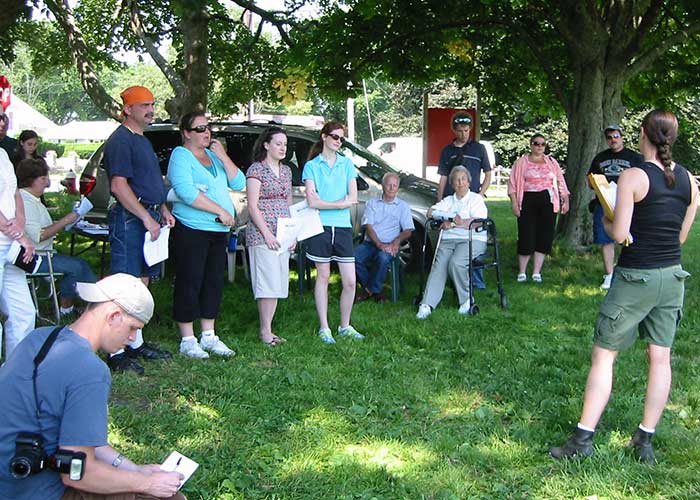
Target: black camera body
(31,458)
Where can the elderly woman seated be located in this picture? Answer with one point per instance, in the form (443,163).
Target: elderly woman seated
(33,179)
(452,255)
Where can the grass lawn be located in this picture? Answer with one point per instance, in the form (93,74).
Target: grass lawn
(448,408)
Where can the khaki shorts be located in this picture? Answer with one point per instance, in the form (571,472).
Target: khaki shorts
(647,303)
(269,273)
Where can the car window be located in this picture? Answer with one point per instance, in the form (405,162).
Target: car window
(368,163)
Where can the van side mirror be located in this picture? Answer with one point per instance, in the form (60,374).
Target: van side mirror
(361,184)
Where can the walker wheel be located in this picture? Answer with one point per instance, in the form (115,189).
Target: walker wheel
(473,310)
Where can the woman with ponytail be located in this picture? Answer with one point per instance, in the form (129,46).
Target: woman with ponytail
(331,187)
(656,204)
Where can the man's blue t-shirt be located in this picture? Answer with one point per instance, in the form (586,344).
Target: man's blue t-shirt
(331,185)
(131,155)
(73,386)
(472,156)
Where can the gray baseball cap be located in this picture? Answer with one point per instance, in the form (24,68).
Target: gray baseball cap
(127,291)
(614,126)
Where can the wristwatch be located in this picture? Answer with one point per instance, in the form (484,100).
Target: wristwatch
(118,461)
(452,224)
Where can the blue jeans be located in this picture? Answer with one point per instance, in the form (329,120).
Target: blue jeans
(126,237)
(367,256)
(478,279)
(74,270)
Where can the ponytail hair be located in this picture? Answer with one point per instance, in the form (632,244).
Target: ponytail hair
(327,129)
(661,129)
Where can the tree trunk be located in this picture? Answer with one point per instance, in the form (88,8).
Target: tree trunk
(596,102)
(194,26)
(88,78)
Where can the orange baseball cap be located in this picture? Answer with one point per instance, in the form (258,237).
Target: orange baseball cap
(136,95)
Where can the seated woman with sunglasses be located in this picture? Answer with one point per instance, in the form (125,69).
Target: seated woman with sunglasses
(201,174)
(538,192)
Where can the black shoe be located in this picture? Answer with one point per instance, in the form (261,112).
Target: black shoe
(362,296)
(148,351)
(579,444)
(123,363)
(642,447)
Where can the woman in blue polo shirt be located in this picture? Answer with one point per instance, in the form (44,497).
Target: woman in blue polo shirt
(331,187)
(201,174)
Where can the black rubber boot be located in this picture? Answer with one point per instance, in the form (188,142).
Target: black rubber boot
(580,443)
(642,447)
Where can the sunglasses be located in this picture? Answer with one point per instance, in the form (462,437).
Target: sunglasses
(335,137)
(538,143)
(200,129)
(464,120)
(612,136)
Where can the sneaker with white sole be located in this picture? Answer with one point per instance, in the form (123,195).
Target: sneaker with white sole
(464,308)
(607,281)
(522,278)
(350,332)
(192,349)
(537,278)
(212,344)
(325,335)
(424,311)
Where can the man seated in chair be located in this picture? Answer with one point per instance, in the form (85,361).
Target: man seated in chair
(33,180)
(387,221)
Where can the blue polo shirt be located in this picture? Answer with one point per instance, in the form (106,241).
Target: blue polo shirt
(131,155)
(472,156)
(331,185)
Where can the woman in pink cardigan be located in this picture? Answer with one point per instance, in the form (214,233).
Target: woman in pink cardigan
(537,192)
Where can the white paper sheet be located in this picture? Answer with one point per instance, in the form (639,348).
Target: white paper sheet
(308,220)
(156,251)
(82,208)
(180,463)
(90,228)
(287,233)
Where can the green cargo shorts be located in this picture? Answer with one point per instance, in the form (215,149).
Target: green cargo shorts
(647,302)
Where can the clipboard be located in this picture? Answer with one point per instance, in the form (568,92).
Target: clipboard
(607,196)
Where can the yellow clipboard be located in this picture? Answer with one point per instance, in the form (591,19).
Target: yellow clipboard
(605,194)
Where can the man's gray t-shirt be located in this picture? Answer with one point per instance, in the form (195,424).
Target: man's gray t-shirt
(73,386)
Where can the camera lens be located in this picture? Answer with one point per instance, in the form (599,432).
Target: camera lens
(20,467)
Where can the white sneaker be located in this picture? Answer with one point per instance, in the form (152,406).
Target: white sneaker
(537,278)
(464,308)
(607,281)
(522,278)
(423,311)
(192,349)
(212,344)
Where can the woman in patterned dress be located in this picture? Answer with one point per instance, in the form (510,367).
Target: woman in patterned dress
(269,188)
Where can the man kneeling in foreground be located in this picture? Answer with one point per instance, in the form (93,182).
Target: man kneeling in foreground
(63,398)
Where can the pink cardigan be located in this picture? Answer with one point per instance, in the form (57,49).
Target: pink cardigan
(516,182)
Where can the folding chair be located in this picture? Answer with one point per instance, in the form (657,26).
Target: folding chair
(36,282)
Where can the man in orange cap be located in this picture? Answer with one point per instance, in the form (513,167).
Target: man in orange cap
(136,182)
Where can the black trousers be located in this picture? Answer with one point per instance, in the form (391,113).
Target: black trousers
(200,258)
(536,223)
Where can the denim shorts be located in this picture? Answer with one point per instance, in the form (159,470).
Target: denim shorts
(644,303)
(126,237)
(600,237)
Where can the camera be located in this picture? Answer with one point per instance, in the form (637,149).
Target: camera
(30,458)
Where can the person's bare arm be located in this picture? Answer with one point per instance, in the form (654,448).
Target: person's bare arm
(485,185)
(441,187)
(690,211)
(315,201)
(102,478)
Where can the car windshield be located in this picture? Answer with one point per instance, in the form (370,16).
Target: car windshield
(368,163)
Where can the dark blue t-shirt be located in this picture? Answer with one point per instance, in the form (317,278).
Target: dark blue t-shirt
(132,156)
(73,386)
(472,156)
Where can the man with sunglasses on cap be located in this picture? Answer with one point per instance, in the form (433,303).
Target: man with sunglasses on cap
(472,156)
(137,184)
(62,398)
(610,163)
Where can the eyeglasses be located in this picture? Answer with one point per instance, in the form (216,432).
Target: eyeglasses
(612,136)
(463,120)
(538,143)
(335,137)
(200,129)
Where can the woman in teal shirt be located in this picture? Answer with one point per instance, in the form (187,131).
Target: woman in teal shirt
(201,174)
(331,187)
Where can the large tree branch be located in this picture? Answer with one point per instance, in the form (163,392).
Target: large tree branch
(79,51)
(638,34)
(281,20)
(137,28)
(647,58)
